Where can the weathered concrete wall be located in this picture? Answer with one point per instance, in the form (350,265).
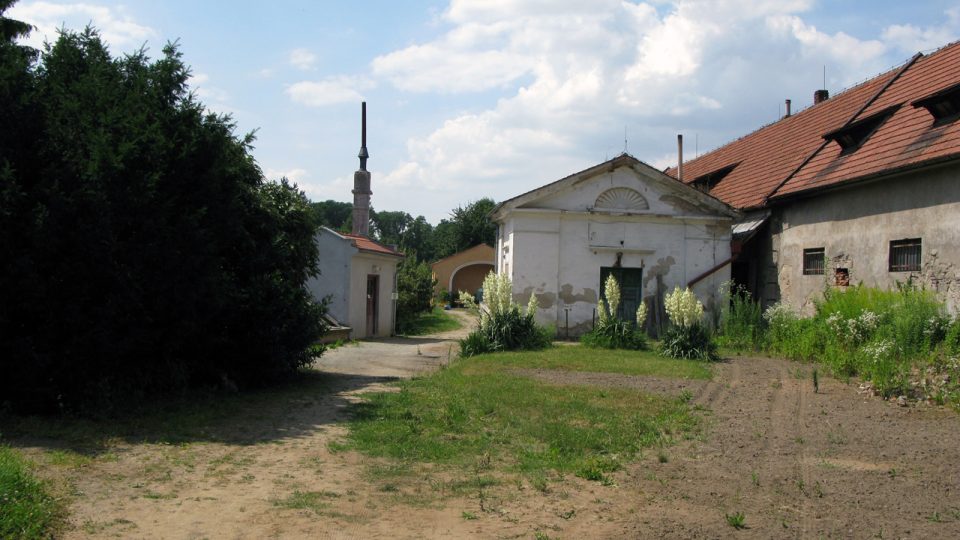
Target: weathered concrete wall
(855,227)
(333,282)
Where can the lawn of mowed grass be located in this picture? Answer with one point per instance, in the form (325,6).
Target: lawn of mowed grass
(432,322)
(480,409)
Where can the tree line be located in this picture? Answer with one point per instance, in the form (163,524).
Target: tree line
(467,226)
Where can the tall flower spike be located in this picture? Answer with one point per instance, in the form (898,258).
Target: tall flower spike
(532,305)
(612,291)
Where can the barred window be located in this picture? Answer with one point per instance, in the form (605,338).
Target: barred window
(905,255)
(813,262)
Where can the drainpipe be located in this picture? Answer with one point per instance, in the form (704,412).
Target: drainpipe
(396,291)
(680,157)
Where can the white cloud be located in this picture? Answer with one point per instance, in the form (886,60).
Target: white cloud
(117,28)
(330,91)
(302,59)
(572,75)
(296,174)
(911,39)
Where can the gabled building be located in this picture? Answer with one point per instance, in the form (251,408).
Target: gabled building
(621,218)
(862,187)
(358,276)
(464,270)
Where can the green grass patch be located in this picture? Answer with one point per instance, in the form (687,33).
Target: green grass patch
(432,322)
(578,358)
(316,501)
(26,509)
(478,412)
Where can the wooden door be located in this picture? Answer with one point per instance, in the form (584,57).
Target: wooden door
(631,290)
(373,303)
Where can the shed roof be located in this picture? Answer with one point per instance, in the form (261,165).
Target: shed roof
(791,156)
(366,244)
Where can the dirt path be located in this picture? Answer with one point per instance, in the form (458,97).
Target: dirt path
(797,464)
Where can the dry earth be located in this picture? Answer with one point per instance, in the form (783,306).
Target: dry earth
(797,464)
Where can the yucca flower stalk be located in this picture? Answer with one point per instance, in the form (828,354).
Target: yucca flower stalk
(683,308)
(641,314)
(532,304)
(612,291)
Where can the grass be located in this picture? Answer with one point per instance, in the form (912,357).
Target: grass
(578,358)
(477,411)
(736,520)
(316,501)
(26,509)
(432,322)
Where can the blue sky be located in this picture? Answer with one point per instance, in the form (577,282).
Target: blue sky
(495,97)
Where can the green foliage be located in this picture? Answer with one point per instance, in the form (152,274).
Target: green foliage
(615,334)
(736,520)
(508,330)
(876,334)
(741,322)
(415,286)
(479,407)
(692,342)
(431,322)
(27,511)
(951,341)
(610,332)
(143,251)
(332,214)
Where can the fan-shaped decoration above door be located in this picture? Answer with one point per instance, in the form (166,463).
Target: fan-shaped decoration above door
(621,198)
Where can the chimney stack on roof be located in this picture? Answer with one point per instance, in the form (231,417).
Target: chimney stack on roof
(680,157)
(788,109)
(820,96)
(361,182)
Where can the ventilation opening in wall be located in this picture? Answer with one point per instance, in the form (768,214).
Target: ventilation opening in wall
(841,277)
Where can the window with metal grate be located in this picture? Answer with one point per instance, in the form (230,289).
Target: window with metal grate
(905,255)
(813,262)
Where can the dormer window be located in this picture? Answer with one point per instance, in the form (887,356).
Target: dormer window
(944,105)
(852,136)
(706,182)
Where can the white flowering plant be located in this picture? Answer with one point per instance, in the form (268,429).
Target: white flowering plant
(611,332)
(504,326)
(687,337)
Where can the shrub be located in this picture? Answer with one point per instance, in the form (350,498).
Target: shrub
(691,342)
(611,332)
(415,285)
(503,326)
(742,325)
(952,340)
(687,337)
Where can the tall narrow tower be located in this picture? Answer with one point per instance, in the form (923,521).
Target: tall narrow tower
(361,182)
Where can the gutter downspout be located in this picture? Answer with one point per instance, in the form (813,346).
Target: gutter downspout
(394,298)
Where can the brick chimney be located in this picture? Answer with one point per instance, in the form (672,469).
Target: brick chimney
(361,182)
(820,96)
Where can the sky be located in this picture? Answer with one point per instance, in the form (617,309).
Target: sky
(492,98)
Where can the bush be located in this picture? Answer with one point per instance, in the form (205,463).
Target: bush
(951,342)
(143,251)
(687,337)
(503,326)
(27,510)
(415,286)
(691,342)
(742,325)
(611,332)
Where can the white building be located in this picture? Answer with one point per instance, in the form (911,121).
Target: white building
(358,276)
(620,217)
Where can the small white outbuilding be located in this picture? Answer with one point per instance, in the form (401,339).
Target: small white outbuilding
(621,217)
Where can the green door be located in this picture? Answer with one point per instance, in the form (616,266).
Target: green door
(631,290)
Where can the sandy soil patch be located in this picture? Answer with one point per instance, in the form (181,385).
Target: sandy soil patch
(797,464)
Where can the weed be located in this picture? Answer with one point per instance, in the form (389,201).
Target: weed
(662,457)
(306,500)
(568,514)
(816,382)
(540,535)
(818,490)
(935,517)
(468,515)
(755,479)
(893,473)
(686,396)
(736,520)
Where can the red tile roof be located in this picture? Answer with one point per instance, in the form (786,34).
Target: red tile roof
(791,156)
(365,244)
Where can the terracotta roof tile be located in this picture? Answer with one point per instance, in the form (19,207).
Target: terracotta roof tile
(769,156)
(365,244)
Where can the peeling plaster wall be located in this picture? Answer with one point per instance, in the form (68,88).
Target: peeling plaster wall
(556,248)
(855,227)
